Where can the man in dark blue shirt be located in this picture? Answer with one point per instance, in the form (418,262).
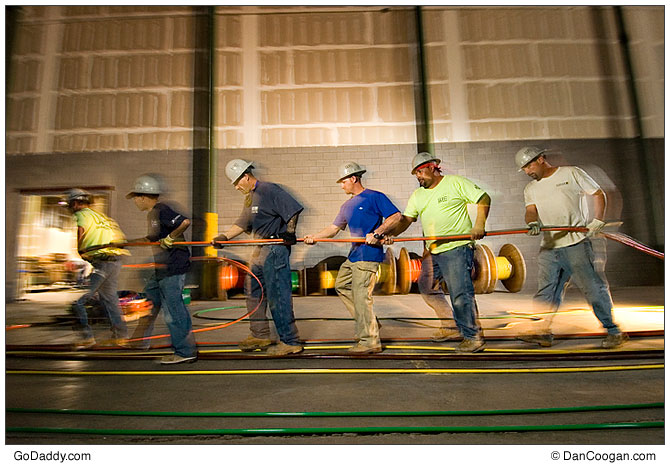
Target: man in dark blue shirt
(172,262)
(269,213)
(363,213)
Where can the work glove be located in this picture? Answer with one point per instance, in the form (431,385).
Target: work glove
(534,228)
(166,242)
(595,227)
(221,238)
(289,238)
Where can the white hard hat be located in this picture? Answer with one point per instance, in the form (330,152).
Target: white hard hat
(526,155)
(236,167)
(145,185)
(77,194)
(421,159)
(349,169)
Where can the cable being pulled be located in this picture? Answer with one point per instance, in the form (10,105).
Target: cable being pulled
(242,267)
(615,236)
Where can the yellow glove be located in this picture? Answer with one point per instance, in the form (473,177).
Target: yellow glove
(166,242)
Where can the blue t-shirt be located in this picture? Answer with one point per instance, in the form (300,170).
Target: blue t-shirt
(364,213)
(162,221)
(270,209)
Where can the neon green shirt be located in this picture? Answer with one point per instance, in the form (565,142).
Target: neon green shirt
(98,230)
(443,210)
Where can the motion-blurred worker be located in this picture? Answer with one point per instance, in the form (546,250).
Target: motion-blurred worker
(556,197)
(269,212)
(441,202)
(165,286)
(95,229)
(368,214)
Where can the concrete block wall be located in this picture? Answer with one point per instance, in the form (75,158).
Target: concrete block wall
(103,78)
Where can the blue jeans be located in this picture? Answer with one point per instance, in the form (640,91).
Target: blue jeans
(270,263)
(455,268)
(167,292)
(103,281)
(557,266)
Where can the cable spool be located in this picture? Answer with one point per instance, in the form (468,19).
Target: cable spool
(387,274)
(328,278)
(321,278)
(509,267)
(295,282)
(514,277)
(408,271)
(485,276)
(231,277)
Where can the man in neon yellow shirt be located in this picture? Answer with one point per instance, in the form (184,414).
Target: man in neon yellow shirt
(95,229)
(441,203)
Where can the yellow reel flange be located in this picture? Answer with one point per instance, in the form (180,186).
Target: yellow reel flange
(509,267)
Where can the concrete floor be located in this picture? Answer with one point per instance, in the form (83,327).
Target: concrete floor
(416,383)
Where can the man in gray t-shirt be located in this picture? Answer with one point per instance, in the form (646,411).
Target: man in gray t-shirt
(556,197)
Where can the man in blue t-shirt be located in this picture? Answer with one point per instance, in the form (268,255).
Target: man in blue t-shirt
(363,213)
(269,212)
(172,262)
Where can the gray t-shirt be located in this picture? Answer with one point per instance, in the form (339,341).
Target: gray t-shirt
(560,201)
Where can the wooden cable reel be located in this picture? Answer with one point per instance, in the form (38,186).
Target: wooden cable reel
(321,278)
(407,272)
(387,274)
(397,276)
(509,267)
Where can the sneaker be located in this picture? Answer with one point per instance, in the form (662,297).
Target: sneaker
(84,344)
(444,334)
(471,345)
(614,341)
(282,349)
(359,348)
(251,343)
(545,340)
(177,359)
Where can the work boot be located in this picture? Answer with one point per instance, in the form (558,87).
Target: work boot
(359,348)
(142,345)
(177,359)
(251,343)
(614,341)
(545,340)
(121,343)
(282,349)
(86,343)
(471,345)
(444,334)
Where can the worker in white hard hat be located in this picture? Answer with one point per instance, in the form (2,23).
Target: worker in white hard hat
(94,229)
(369,214)
(269,212)
(556,197)
(165,286)
(441,203)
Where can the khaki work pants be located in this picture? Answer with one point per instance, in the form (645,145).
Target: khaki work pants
(354,284)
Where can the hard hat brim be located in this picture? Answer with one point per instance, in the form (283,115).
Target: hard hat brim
(359,173)
(436,161)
